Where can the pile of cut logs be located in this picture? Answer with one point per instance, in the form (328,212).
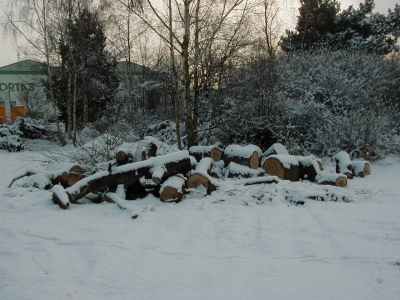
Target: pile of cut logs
(169,176)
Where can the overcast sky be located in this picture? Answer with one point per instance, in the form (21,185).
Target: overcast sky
(8,53)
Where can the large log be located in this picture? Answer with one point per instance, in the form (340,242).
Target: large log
(75,174)
(286,167)
(343,164)
(339,180)
(64,178)
(361,168)
(275,149)
(235,170)
(246,156)
(198,152)
(124,154)
(309,167)
(201,176)
(173,163)
(173,189)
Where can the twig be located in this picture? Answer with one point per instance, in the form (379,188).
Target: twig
(40,265)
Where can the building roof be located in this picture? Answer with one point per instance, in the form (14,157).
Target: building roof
(28,66)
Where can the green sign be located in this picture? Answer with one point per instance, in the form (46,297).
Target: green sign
(16,87)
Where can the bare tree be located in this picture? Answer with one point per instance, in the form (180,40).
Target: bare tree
(32,21)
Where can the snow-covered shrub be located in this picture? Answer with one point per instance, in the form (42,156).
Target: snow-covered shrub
(339,101)
(10,139)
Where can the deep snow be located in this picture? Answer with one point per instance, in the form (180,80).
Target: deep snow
(241,242)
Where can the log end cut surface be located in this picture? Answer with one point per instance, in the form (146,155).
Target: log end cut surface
(170,194)
(341,182)
(216,154)
(195,180)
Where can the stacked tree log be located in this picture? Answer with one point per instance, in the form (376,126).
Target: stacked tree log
(344,164)
(361,168)
(285,167)
(173,189)
(200,176)
(198,152)
(246,156)
(309,167)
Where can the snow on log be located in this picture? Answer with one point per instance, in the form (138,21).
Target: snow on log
(124,154)
(55,177)
(236,170)
(198,152)
(75,174)
(174,163)
(339,180)
(60,197)
(284,166)
(201,176)
(309,167)
(246,156)
(172,189)
(276,148)
(361,168)
(343,164)
(145,149)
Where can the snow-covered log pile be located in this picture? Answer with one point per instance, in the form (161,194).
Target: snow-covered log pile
(165,166)
(143,167)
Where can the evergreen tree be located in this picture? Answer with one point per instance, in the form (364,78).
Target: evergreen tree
(320,24)
(86,75)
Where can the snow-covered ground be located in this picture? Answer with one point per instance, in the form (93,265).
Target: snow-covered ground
(241,242)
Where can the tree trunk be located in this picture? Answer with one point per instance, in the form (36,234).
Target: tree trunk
(246,156)
(286,167)
(173,163)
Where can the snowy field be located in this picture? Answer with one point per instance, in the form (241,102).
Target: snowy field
(242,242)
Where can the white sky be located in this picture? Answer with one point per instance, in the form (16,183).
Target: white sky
(8,53)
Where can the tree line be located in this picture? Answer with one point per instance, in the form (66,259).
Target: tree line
(221,70)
